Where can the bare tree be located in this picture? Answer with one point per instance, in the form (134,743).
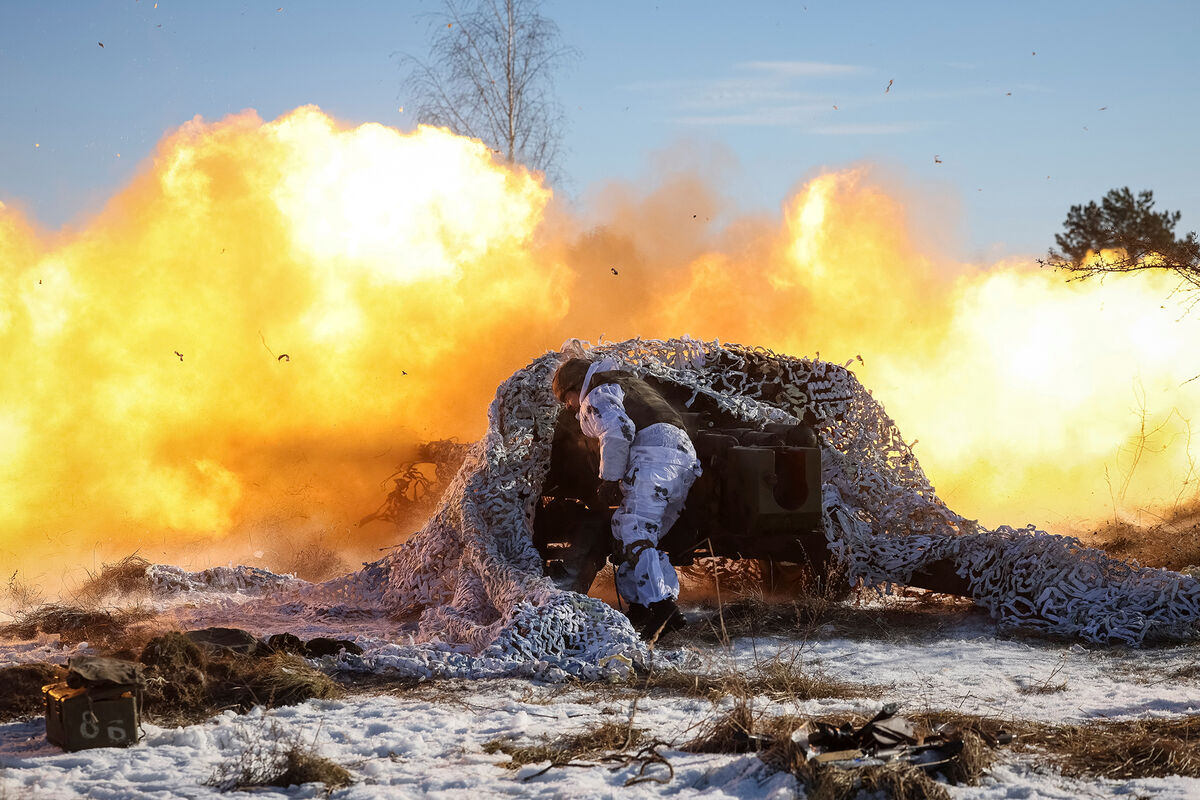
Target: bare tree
(490,76)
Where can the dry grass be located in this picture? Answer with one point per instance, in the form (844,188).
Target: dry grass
(781,677)
(927,617)
(98,627)
(22,695)
(185,685)
(271,756)
(1048,685)
(1119,750)
(894,780)
(921,616)
(302,766)
(242,682)
(284,679)
(20,594)
(603,740)
(734,731)
(740,730)
(1151,748)
(762,598)
(119,578)
(784,678)
(754,616)
(1188,672)
(1043,688)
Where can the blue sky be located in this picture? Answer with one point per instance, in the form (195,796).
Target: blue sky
(1029,107)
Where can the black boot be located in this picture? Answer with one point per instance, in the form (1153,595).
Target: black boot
(636,612)
(663,617)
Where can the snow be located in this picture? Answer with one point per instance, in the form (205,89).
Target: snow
(429,741)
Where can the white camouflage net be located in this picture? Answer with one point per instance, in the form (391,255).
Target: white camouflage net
(471,582)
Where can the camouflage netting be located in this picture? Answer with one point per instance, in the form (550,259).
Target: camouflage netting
(472,580)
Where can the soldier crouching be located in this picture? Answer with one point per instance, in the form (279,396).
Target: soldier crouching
(647,465)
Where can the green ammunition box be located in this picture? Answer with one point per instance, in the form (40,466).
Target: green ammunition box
(78,719)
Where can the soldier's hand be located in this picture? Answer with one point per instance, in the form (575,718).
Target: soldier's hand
(609,494)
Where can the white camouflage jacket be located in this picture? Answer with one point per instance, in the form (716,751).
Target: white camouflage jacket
(602,416)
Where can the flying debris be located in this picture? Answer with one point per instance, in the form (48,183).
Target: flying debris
(889,86)
(179,354)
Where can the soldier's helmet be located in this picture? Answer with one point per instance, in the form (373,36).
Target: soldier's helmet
(569,376)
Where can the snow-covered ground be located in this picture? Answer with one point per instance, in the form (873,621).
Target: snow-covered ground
(429,740)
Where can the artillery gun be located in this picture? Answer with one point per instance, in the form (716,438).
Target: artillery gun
(759,497)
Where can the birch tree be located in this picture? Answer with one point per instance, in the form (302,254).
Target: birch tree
(490,75)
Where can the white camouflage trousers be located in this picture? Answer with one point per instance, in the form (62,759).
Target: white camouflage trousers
(662,467)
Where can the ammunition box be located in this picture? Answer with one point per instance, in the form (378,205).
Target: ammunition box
(78,719)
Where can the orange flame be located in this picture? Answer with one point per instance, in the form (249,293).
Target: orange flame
(225,346)
(250,335)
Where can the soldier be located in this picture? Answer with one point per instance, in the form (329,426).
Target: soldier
(647,465)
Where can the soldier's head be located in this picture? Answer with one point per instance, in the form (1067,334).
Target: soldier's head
(568,380)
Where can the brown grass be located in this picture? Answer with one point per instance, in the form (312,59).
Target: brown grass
(302,766)
(754,616)
(1119,750)
(894,780)
(22,594)
(120,578)
(605,739)
(739,730)
(1190,671)
(22,694)
(782,677)
(282,679)
(1150,748)
(273,756)
(924,615)
(98,627)
(734,731)
(185,685)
